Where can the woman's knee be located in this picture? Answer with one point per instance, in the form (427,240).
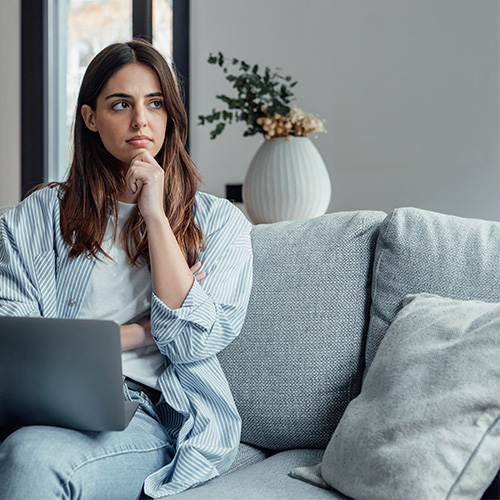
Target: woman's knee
(25,446)
(30,462)
(50,462)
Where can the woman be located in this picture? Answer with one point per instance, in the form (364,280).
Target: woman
(121,239)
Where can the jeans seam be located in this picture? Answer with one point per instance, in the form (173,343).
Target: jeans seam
(108,455)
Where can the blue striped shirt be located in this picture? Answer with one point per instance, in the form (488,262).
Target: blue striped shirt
(38,278)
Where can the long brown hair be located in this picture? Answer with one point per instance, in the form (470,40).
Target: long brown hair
(96,178)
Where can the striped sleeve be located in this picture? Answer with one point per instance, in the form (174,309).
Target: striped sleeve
(25,241)
(214,310)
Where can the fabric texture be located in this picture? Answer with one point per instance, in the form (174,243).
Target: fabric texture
(425,252)
(310,474)
(37,278)
(426,425)
(298,361)
(247,455)
(266,480)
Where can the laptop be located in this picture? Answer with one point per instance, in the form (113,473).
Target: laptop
(62,372)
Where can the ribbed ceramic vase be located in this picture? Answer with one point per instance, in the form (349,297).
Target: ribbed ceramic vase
(286,180)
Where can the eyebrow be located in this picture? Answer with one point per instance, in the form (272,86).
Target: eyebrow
(127,96)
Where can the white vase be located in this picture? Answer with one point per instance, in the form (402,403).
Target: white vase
(286,180)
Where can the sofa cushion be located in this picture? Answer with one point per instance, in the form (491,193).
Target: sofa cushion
(266,480)
(247,455)
(421,251)
(299,358)
(427,422)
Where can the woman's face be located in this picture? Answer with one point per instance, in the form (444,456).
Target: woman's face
(130,115)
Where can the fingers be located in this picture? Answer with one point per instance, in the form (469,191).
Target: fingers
(144,183)
(135,185)
(200,275)
(195,269)
(144,162)
(143,169)
(144,156)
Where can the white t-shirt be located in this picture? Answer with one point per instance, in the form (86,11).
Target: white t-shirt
(120,292)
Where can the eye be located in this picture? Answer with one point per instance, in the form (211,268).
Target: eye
(156,104)
(119,105)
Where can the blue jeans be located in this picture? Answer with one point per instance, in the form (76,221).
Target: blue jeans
(41,462)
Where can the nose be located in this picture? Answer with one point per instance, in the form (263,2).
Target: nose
(139,119)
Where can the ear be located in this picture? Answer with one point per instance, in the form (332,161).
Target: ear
(88,116)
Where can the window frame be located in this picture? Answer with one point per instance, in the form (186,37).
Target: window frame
(35,87)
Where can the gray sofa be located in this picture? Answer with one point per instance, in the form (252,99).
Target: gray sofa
(368,366)
(326,292)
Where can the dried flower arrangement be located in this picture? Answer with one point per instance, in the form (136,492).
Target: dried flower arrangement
(263,103)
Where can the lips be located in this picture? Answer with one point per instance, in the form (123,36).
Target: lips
(139,141)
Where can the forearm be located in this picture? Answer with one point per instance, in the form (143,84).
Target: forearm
(134,335)
(171,277)
(211,317)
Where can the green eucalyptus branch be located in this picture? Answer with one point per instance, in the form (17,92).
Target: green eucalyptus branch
(258,95)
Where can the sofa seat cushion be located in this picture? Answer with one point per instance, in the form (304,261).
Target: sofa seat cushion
(426,425)
(247,455)
(299,358)
(420,251)
(266,480)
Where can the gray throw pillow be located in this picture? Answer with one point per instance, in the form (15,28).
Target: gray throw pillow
(427,422)
(299,358)
(426,252)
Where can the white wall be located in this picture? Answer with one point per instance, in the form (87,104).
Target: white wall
(10,98)
(409,90)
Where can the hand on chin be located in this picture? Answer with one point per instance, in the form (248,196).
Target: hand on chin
(144,185)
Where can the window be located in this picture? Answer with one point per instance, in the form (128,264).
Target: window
(59,38)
